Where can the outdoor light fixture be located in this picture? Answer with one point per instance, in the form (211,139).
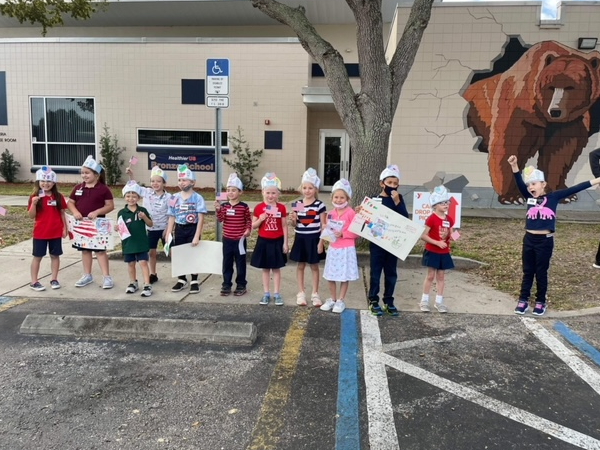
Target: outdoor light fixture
(587,43)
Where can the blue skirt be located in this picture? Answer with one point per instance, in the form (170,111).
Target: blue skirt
(438,261)
(268,254)
(305,250)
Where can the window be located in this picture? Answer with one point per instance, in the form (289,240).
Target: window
(63,131)
(273,140)
(192,92)
(180,138)
(3,104)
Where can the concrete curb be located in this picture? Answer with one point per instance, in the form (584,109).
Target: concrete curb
(102,327)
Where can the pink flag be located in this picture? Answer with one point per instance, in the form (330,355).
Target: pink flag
(2,211)
(271,210)
(133,160)
(222,197)
(297,206)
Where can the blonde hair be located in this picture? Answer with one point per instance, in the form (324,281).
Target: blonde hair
(308,182)
(348,198)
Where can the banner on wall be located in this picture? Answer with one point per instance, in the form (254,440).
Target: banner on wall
(422,209)
(169,161)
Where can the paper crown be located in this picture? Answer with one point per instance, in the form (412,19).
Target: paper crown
(184,173)
(45,174)
(531,175)
(270,180)
(132,186)
(92,164)
(390,171)
(344,185)
(310,176)
(234,181)
(440,194)
(158,172)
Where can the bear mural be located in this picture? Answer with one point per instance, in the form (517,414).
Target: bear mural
(545,104)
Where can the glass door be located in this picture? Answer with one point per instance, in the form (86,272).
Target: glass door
(334,157)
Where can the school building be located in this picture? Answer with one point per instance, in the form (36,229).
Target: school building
(153,72)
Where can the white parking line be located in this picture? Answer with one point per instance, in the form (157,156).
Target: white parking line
(577,365)
(420,342)
(382,429)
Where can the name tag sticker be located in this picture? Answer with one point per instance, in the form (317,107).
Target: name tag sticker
(51,203)
(532,201)
(79,192)
(446,224)
(230,212)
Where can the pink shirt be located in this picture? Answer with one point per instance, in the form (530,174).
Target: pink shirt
(348,238)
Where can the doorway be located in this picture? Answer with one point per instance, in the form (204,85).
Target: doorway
(334,157)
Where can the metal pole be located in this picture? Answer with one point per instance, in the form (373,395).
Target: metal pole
(218,163)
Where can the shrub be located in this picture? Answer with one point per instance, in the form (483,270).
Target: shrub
(8,166)
(246,161)
(110,153)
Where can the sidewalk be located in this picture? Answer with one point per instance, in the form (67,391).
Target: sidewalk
(463,289)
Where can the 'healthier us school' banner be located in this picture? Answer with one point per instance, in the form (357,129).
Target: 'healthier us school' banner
(170,161)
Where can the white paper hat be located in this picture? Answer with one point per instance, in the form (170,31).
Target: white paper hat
(132,186)
(531,175)
(390,171)
(92,164)
(344,185)
(270,180)
(310,176)
(45,174)
(440,194)
(234,181)
(184,173)
(158,172)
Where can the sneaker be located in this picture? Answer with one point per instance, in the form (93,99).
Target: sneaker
(133,287)
(147,291)
(316,300)
(596,265)
(391,310)
(522,307)
(265,300)
(239,291)
(441,307)
(108,283)
(539,310)
(300,299)
(339,307)
(424,306)
(194,287)
(328,305)
(375,309)
(225,292)
(37,286)
(153,278)
(179,285)
(278,299)
(54,284)
(84,280)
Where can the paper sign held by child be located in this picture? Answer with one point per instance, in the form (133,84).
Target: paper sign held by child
(92,233)
(122,229)
(331,227)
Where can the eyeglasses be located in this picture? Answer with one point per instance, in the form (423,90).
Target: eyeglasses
(445,203)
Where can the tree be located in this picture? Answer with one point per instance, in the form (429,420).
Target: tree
(367,115)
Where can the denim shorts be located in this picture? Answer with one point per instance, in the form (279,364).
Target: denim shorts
(133,257)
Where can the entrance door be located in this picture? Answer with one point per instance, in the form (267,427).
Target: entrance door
(334,157)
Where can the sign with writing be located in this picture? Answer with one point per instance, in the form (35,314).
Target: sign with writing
(422,210)
(170,161)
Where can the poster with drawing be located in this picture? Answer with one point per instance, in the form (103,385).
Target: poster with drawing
(92,234)
(386,228)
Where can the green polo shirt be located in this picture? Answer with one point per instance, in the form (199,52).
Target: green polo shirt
(138,241)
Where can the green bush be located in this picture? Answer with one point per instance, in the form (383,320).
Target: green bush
(110,153)
(246,161)
(9,167)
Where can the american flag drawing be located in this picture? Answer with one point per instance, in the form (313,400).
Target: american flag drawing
(133,160)
(93,234)
(271,210)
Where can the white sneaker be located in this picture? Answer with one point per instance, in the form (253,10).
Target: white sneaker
(147,291)
(441,307)
(328,305)
(133,287)
(424,306)
(84,280)
(316,300)
(339,307)
(301,299)
(108,283)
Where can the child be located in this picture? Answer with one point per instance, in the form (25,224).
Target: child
(47,207)
(156,200)
(272,243)
(380,259)
(186,218)
(92,199)
(308,247)
(436,256)
(595,166)
(341,263)
(540,223)
(135,247)
(237,225)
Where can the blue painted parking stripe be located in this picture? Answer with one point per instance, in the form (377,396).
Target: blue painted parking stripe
(4,300)
(347,433)
(578,342)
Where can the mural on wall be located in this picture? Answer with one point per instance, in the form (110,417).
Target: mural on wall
(542,101)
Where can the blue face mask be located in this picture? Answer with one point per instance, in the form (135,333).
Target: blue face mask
(388,190)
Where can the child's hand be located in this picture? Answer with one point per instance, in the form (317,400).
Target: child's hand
(337,234)
(292,218)
(195,241)
(358,209)
(247,233)
(92,215)
(320,247)
(442,244)
(128,171)
(142,215)
(285,249)
(263,217)
(217,205)
(77,216)
(34,200)
(116,227)
(512,160)
(395,197)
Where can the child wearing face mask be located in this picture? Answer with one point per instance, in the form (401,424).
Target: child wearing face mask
(540,223)
(380,259)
